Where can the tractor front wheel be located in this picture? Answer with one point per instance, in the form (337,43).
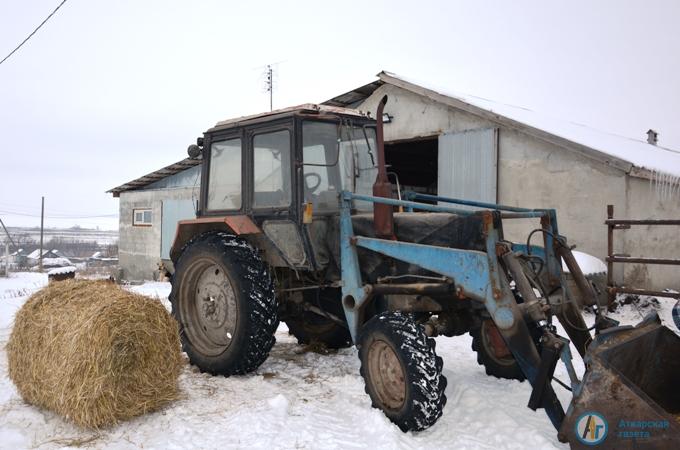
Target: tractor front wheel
(402,372)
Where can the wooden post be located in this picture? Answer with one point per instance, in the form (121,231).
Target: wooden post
(611,296)
(7,257)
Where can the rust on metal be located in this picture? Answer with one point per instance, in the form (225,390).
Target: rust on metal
(383,219)
(627,384)
(587,293)
(545,221)
(493,336)
(241,224)
(624,290)
(487,218)
(630,259)
(628,222)
(501,249)
(186,229)
(611,296)
(413,288)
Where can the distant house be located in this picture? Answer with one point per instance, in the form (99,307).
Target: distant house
(51,258)
(17,259)
(35,254)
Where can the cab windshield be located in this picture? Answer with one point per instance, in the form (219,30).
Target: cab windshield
(337,156)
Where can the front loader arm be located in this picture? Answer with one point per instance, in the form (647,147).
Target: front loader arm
(477,275)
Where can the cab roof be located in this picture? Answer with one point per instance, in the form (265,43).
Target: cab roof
(306,109)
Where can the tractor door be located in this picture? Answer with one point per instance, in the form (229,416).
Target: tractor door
(274,199)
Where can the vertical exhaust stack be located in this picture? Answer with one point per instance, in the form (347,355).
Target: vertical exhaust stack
(383,221)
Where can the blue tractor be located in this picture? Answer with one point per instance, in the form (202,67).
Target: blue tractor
(297,222)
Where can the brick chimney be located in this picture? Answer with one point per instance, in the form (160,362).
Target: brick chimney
(652,137)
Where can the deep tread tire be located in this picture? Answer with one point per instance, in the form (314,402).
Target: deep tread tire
(253,290)
(310,327)
(507,369)
(424,397)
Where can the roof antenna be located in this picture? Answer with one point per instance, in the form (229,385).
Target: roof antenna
(269,85)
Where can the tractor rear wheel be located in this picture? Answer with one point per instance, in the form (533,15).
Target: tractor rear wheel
(223,298)
(309,327)
(402,372)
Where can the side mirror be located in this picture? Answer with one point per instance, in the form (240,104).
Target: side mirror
(194,151)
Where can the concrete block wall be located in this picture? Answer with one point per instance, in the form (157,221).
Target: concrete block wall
(139,247)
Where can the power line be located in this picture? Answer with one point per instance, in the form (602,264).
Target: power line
(34,31)
(15,213)
(23,209)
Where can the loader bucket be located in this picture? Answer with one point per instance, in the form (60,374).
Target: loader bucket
(629,396)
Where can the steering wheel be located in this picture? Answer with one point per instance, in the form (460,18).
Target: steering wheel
(317,179)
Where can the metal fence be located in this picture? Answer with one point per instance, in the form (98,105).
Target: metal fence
(625,224)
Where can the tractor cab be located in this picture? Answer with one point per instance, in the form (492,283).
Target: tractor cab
(274,164)
(277,170)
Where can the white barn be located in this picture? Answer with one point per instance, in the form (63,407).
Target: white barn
(468,147)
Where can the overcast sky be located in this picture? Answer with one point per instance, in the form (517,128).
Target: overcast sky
(108,91)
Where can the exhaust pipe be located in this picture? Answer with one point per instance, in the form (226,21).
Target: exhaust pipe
(383,220)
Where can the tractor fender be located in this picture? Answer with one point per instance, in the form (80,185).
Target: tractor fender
(187,229)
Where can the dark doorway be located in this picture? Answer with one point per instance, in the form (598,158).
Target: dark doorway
(415,164)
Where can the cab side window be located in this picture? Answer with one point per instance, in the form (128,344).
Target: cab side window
(272,171)
(224,177)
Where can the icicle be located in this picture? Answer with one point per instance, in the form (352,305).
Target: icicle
(666,186)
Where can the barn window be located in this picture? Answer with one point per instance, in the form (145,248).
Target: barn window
(141,217)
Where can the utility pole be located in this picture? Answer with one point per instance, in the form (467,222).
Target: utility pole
(42,225)
(7,241)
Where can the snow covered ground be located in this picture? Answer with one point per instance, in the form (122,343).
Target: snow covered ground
(296,399)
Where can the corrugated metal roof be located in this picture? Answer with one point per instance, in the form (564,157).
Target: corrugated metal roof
(159,174)
(354,97)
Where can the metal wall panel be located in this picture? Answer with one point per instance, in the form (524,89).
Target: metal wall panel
(172,212)
(468,165)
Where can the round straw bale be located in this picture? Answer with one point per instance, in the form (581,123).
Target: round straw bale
(94,353)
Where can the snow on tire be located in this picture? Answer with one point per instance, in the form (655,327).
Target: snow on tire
(223,298)
(402,372)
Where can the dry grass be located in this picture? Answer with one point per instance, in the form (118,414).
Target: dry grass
(94,353)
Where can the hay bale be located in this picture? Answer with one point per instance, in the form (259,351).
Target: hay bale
(94,353)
